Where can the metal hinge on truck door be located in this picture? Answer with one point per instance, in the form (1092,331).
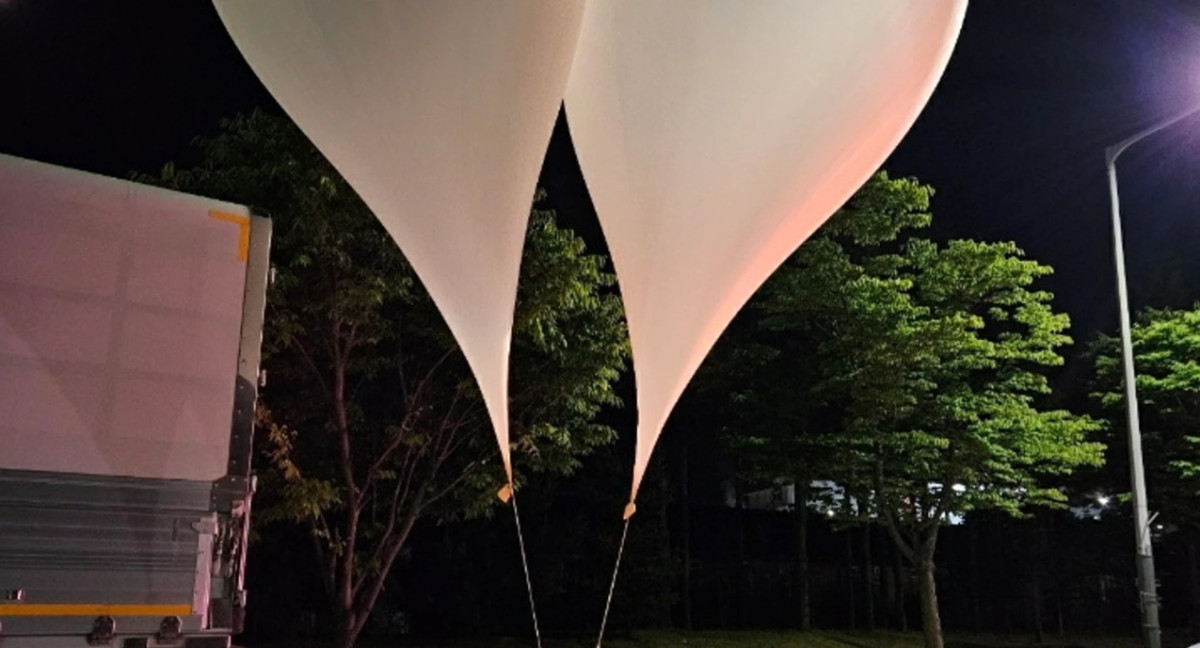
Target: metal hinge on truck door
(206,526)
(206,529)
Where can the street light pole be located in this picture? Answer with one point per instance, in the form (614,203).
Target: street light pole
(1147,585)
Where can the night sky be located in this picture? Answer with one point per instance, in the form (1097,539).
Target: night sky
(1013,140)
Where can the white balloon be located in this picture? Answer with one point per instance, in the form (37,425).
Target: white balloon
(438,114)
(715,136)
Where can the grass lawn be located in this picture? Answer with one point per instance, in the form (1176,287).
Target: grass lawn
(727,639)
(767,639)
(881,639)
(816,639)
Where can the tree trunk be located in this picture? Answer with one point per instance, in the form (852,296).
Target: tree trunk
(976,588)
(931,620)
(868,576)
(346,635)
(851,602)
(901,592)
(887,583)
(664,551)
(803,577)
(1047,542)
(1035,582)
(347,623)
(740,594)
(352,617)
(685,508)
(1194,579)
(1058,609)
(1035,596)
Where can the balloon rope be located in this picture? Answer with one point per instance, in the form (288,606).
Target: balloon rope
(613,585)
(537,633)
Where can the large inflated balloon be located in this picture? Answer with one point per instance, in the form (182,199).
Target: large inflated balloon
(438,114)
(716,136)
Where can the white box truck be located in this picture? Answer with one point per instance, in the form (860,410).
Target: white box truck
(130,330)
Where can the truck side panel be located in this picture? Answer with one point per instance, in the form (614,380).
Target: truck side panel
(85,546)
(120,312)
(130,332)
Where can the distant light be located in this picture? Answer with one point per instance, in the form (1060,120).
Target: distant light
(1103,500)
(829,512)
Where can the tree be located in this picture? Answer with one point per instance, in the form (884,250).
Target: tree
(929,372)
(766,372)
(372,420)
(752,378)
(969,433)
(1166,346)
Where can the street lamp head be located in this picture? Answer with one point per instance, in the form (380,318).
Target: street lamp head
(1112,152)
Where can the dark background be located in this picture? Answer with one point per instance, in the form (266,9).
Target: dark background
(1013,140)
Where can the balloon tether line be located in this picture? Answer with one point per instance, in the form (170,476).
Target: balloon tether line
(613,585)
(537,633)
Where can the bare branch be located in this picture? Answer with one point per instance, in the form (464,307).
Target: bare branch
(387,533)
(889,516)
(351,339)
(377,465)
(409,468)
(295,342)
(323,560)
(433,370)
(466,471)
(939,506)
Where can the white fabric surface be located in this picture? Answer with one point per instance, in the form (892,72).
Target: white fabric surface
(715,136)
(438,114)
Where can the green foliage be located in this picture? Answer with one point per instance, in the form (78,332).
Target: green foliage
(1166,347)
(909,372)
(373,420)
(569,347)
(906,366)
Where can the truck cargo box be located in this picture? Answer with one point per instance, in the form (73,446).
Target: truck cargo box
(130,329)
